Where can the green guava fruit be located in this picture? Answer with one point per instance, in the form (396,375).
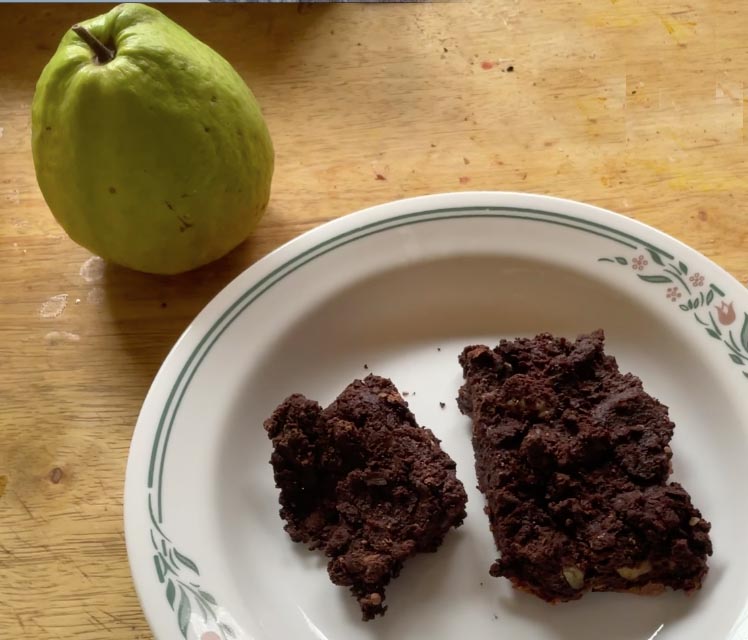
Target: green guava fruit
(149,148)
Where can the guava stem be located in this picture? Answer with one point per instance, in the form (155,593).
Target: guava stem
(102,53)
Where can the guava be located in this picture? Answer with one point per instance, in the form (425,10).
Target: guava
(149,148)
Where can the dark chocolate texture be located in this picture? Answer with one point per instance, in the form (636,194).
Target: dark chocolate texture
(361,481)
(573,458)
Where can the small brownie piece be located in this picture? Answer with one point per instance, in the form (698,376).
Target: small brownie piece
(364,483)
(573,458)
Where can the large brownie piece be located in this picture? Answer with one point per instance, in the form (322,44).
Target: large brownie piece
(363,482)
(573,458)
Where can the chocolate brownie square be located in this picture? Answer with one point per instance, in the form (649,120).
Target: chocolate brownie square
(573,458)
(361,481)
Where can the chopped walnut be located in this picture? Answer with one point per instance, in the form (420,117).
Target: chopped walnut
(574,576)
(632,573)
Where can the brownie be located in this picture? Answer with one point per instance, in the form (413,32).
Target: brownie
(573,459)
(361,481)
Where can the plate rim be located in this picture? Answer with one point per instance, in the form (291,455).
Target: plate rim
(346,228)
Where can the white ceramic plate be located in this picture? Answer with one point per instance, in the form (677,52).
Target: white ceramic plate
(402,287)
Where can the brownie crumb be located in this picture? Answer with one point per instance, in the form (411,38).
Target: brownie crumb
(573,458)
(442,405)
(366,366)
(362,482)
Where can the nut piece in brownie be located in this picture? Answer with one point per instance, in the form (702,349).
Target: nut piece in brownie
(573,458)
(363,482)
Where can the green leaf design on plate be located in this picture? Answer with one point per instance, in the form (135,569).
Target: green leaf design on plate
(184,612)
(168,561)
(159,568)
(186,562)
(744,333)
(170,593)
(655,256)
(203,609)
(655,279)
(227,630)
(674,273)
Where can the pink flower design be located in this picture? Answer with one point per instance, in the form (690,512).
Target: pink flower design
(673,293)
(638,263)
(725,313)
(697,280)
(210,635)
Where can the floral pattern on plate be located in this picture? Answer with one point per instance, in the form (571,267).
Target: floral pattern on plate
(705,301)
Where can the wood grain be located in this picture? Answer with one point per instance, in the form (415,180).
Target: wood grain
(634,105)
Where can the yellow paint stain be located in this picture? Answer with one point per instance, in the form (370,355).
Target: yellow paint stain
(677,175)
(707,183)
(3,484)
(592,107)
(621,14)
(656,167)
(679,30)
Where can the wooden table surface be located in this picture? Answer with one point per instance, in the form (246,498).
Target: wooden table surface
(633,105)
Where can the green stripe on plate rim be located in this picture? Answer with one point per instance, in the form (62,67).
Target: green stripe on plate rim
(171,565)
(205,344)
